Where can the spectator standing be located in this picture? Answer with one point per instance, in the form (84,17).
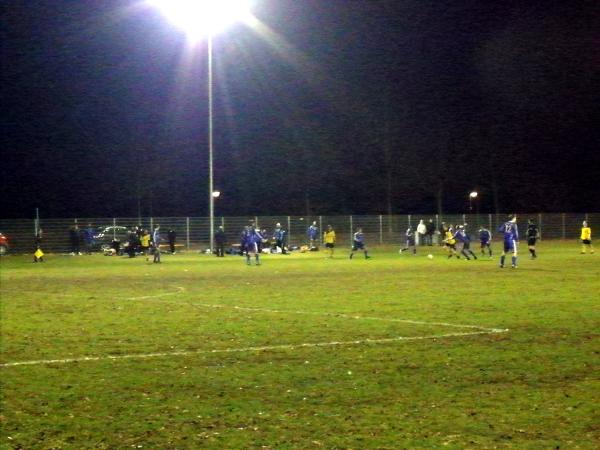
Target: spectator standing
(220,241)
(88,238)
(421,232)
(172,236)
(430,226)
(74,238)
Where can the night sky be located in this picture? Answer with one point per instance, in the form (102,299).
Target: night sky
(329,107)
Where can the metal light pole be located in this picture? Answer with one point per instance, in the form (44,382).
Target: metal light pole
(211,198)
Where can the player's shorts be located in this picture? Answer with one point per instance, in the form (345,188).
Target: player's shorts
(452,246)
(531,241)
(485,243)
(358,246)
(510,246)
(329,245)
(410,242)
(586,241)
(251,248)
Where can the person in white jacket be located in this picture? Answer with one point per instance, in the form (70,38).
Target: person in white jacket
(421,232)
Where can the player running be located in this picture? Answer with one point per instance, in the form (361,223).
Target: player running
(586,238)
(358,243)
(463,242)
(450,241)
(510,232)
(410,241)
(485,239)
(532,236)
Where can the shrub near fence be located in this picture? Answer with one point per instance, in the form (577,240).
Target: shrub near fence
(193,232)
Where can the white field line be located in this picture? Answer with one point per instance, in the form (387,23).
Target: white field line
(480,330)
(245,349)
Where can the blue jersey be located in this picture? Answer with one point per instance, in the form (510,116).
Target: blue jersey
(250,237)
(359,237)
(485,235)
(510,231)
(461,236)
(313,232)
(279,234)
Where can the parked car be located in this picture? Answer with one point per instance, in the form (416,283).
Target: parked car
(105,236)
(3,244)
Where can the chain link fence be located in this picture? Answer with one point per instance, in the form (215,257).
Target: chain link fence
(192,233)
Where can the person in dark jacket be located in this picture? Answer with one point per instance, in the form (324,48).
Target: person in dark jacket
(74,238)
(171,235)
(220,240)
(430,226)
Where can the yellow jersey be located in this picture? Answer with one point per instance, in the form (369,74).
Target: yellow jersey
(329,237)
(450,238)
(145,240)
(586,233)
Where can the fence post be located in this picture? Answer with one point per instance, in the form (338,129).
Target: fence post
(380,229)
(187,233)
(564,231)
(540,225)
(114,230)
(351,230)
(321,231)
(289,233)
(490,221)
(464,219)
(256,222)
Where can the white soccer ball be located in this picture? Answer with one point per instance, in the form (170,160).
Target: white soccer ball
(430,256)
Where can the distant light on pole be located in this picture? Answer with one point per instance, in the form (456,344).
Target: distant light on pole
(472,196)
(216,194)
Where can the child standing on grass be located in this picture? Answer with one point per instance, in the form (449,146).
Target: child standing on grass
(586,238)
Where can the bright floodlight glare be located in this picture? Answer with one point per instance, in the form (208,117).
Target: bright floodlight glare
(216,194)
(201,18)
(473,194)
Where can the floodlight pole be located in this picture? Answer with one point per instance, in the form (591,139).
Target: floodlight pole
(211,199)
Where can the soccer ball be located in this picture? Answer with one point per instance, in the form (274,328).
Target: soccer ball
(430,256)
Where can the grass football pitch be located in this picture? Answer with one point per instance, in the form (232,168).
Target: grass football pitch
(303,352)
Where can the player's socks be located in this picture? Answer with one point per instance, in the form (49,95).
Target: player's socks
(366,256)
(256,257)
(247,259)
(502,261)
(514,261)
(351,255)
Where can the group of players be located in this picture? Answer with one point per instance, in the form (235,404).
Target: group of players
(457,241)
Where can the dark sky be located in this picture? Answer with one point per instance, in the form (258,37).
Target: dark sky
(343,106)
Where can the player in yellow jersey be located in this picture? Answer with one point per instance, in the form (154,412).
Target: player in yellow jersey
(329,239)
(450,242)
(586,238)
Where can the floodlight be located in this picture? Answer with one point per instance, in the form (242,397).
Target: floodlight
(473,194)
(216,194)
(201,18)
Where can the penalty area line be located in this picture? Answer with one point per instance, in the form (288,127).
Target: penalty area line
(265,348)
